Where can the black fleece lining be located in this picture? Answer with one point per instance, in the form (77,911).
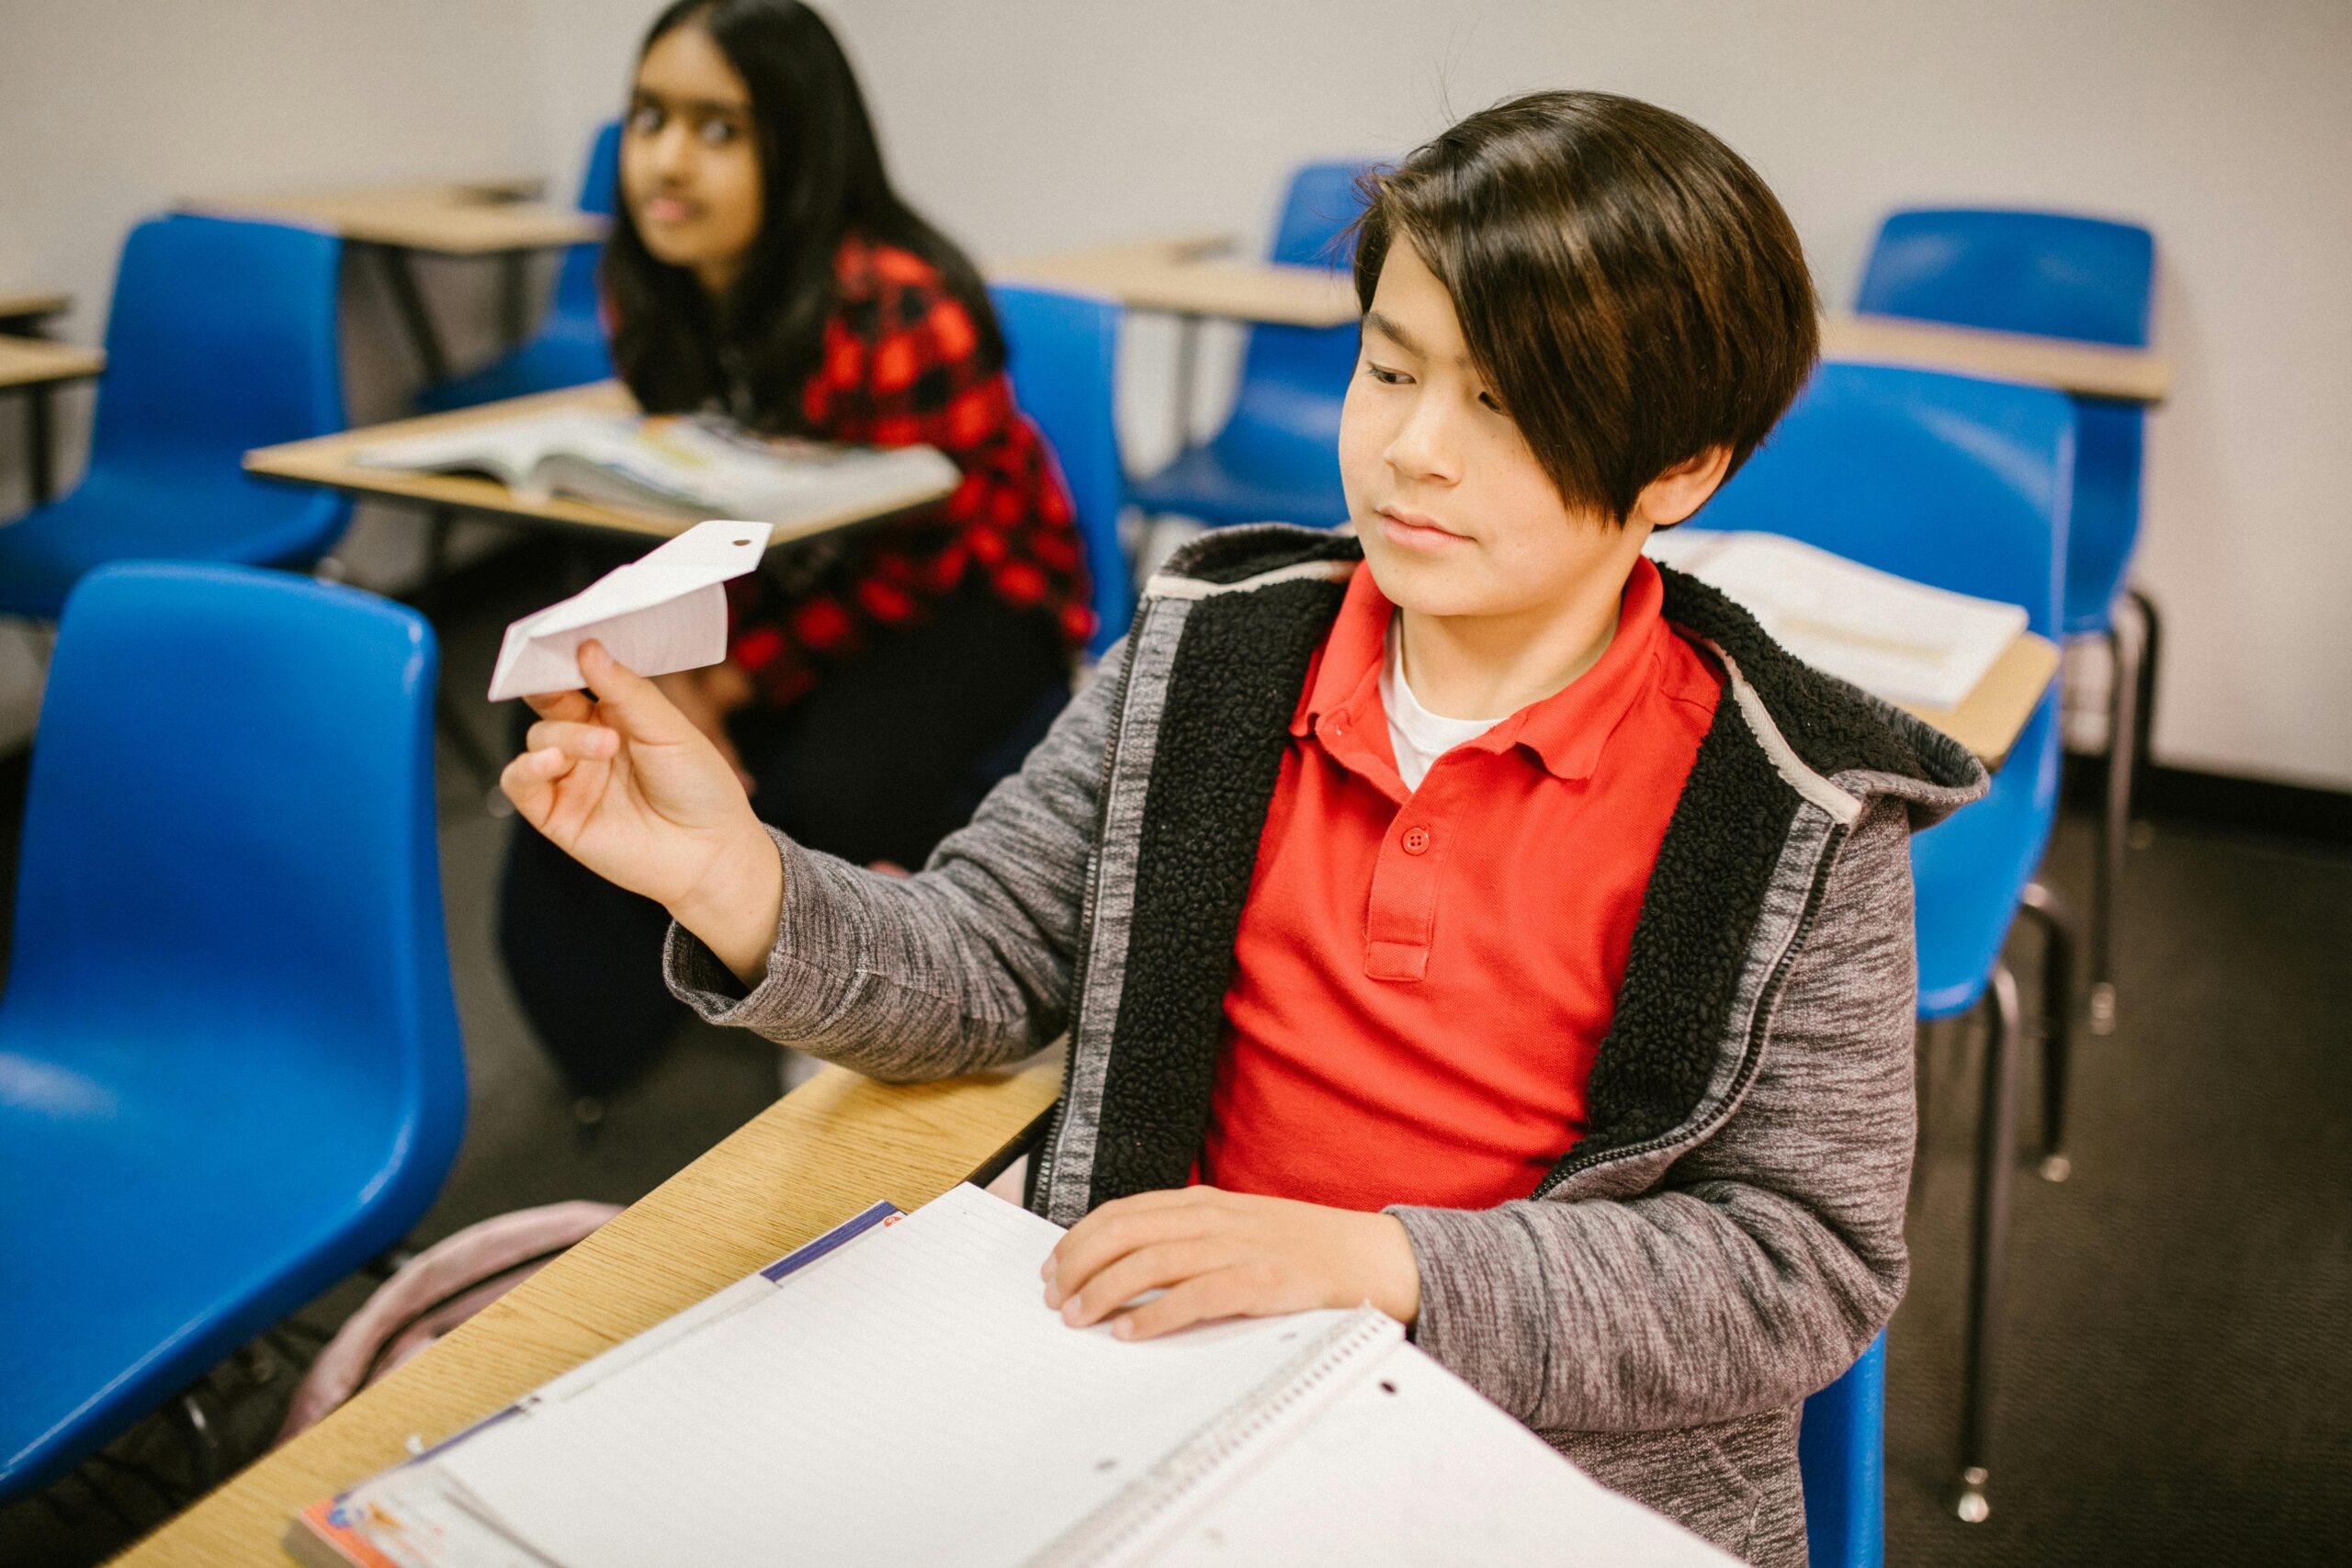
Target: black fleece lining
(1820,717)
(1689,943)
(1235,683)
(1229,556)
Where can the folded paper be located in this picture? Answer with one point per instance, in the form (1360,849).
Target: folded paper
(663,613)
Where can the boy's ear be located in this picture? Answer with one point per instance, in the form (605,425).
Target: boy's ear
(1682,488)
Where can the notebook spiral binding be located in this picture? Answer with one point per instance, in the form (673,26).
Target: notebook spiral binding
(1135,1514)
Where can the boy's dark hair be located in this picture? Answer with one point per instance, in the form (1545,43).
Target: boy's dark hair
(1627,285)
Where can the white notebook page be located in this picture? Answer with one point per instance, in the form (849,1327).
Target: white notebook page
(909,1399)
(1905,641)
(1409,1465)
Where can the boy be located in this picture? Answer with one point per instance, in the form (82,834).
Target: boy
(1578,1038)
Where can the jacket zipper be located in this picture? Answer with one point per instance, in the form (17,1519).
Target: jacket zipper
(1752,1052)
(1049,1148)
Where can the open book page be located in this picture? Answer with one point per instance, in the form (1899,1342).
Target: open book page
(1904,640)
(1408,1464)
(912,1400)
(690,468)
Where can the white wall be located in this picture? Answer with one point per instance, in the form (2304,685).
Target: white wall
(1023,125)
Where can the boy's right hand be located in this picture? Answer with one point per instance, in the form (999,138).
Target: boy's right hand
(628,787)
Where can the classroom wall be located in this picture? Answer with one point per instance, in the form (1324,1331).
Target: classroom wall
(1025,125)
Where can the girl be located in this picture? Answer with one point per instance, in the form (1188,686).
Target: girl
(762,266)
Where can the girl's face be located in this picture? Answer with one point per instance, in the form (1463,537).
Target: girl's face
(690,171)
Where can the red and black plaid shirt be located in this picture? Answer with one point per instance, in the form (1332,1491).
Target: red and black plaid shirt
(902,368)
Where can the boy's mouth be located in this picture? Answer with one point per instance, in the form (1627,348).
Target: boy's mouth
(1417,530)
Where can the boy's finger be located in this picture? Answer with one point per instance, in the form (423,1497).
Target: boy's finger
(587,742)
(1103,1237)
(529,781)
(569,707)
(1226,1294)
(632,704)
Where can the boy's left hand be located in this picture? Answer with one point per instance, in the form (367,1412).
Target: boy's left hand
(1227,1254)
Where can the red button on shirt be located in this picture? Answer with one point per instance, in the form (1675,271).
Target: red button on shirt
(1414,1014)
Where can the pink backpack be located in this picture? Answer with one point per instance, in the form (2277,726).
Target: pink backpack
(431,1294)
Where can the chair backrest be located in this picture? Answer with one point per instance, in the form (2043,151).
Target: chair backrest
(576,295)
(1062,353)
(1841,1455)
(2050,273)
(230,817)
(221,337)
(1293,377)
(1944,479)
(2063,276)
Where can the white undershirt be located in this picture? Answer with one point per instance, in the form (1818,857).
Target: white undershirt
(1418,736)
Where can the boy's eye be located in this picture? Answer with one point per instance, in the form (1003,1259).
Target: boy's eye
(1386,376)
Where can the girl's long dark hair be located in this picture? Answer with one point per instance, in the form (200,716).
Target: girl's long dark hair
(822,177)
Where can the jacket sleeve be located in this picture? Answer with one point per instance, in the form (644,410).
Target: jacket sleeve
(966,965)
(1767,1256)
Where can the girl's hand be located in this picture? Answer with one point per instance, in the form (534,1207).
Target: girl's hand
(1227,1254)
(629,788)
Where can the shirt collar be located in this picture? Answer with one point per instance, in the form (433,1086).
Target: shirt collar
(1566,730)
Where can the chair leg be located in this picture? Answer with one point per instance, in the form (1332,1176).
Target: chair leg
(203,1444)
(2115,826)
(2152,642)
(1988,1244)
(2057,1022)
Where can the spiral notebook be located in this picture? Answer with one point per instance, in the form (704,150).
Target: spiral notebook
(898,1392)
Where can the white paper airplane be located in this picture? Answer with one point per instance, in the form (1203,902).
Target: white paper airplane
(663,613)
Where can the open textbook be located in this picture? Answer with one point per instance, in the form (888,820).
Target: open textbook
(896,1392)
(689,467)
(1900,639)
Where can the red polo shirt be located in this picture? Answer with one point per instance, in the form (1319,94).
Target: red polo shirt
(1423,978)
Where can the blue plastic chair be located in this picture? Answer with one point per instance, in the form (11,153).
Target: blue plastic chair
(570,348)
(1063,355)
(1277,456)
(1967,485)
(221,338)
(1841,1454)
(230,1067)
(2093,281)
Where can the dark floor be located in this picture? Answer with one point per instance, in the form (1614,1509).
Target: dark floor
(2175,1383)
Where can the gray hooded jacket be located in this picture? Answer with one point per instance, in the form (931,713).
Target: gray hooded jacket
(1727,1236)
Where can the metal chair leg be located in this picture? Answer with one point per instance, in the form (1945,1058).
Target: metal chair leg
(2115,826)
(2057,1023)
(202,1443)
(2152,643)
(1988,1245)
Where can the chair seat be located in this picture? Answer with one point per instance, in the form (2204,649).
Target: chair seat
(1250,476)
(164,514)
(564,353)
(1966,870)
(233,1171)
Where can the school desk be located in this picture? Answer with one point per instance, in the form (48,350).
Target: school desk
(476,218)
(25,310)
(823,1154)
(328,460)
(1185,277)
(1991,717)
(32,366)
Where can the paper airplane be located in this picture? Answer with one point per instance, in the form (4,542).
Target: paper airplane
(663,613)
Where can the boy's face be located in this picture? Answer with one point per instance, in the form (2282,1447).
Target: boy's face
(1456,515)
